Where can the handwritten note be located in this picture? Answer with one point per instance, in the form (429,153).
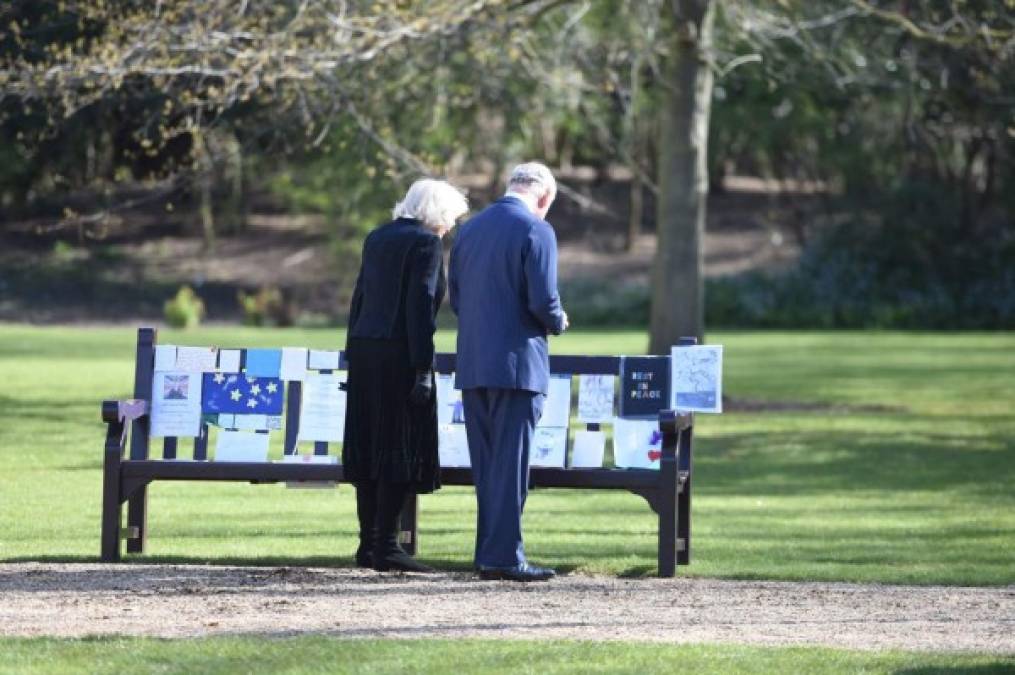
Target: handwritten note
(196,359)
(595,398)
(322,409)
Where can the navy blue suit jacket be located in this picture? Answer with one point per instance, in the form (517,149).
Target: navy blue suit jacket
(503,287)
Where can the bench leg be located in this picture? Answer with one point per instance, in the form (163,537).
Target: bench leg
(137,522)
(111,511)
(684,525)
(408,525)
(684,502)
(669,504)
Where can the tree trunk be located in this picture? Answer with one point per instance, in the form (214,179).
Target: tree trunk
(205,188)
(677,283)
(637,211)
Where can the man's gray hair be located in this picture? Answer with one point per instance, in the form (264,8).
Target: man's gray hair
(532,178)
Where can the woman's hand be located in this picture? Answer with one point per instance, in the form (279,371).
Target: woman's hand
(422,389)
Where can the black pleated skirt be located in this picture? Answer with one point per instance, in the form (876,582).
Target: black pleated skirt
(386,437)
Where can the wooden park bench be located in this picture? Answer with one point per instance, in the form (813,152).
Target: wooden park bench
(127,474)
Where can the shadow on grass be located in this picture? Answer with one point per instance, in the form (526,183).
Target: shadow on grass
(806,463)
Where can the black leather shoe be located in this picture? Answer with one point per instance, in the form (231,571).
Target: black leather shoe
(399,561)
(523,572)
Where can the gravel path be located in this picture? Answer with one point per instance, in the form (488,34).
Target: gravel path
(194,600)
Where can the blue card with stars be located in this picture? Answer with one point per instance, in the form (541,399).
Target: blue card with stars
(238,394)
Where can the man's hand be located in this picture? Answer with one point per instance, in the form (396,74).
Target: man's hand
(422,389)
(567,322)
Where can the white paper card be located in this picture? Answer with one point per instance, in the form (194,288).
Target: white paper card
(637,444)
(323,360)
(196,359)
(309,459)
(176,404)
(588,450)
(165,357)
(322,408)
(696,378)
(294,364)
(251,422)
(449,401)
(241,446)
(595,398)
(557,406)
(229,360)
(453,445)
(549,447)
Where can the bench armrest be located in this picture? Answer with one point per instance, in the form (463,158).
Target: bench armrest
(672,423)
(124,411)
(118,415)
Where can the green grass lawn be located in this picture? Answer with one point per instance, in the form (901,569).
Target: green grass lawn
(910,479)
(319,654)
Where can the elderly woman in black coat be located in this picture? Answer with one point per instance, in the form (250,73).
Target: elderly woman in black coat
(390,448)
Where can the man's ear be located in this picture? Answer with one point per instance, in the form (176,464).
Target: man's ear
(543,203)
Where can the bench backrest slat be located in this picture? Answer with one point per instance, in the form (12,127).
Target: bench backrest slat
(294,395)
(201,444)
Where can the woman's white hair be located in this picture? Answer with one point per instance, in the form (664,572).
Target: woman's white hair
(436,203)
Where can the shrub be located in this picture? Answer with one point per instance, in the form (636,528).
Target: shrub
(267,307)
(185,309)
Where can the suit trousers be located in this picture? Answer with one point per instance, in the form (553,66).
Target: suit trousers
(499,424)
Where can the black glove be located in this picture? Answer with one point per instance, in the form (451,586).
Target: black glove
(422,389)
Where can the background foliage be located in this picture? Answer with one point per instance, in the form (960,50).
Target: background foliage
(887,126)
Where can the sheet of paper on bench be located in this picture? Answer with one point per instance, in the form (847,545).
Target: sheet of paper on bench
(165,357)
(196,359)
(263,362)
(241,446)
(696,378)
(595,398)
(636,443)
(449,401)
(453,445)
(294,364)
(557,406)
(323,360)
(229,360)
(176,404)
(549,447)
(322,409)
(589,448)
(309,459)
(251,422)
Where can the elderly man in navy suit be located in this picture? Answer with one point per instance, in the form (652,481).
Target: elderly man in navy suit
(503,287)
